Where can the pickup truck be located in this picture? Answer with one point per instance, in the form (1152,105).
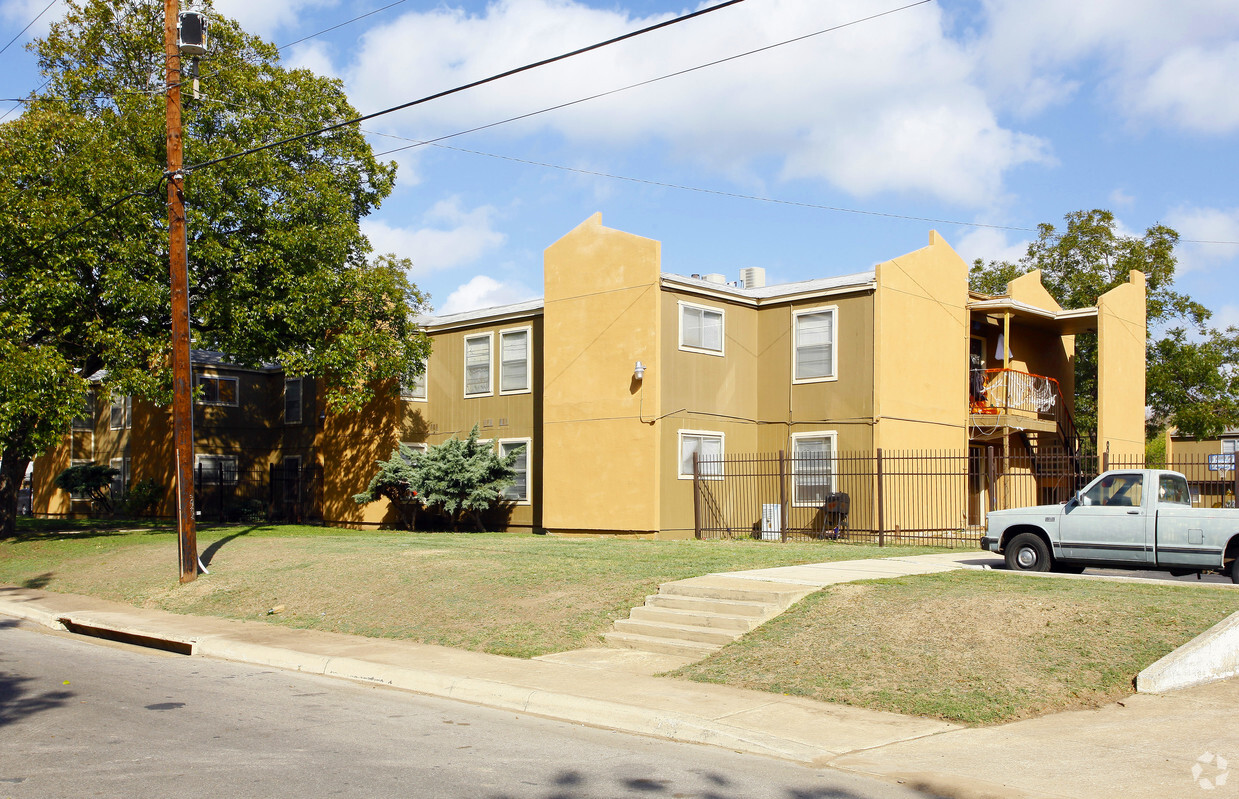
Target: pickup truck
(1126,519)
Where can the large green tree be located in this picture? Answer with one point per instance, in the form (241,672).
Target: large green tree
(1191,377)
(279,268)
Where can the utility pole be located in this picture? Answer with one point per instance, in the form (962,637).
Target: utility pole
(178,266)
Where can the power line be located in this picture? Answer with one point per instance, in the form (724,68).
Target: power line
(341,25)
(474,84)
(23,30)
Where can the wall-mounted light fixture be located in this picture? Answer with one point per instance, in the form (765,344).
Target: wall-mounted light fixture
(638,371)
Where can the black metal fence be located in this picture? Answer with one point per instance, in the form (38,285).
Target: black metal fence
(929,498)
(225,493)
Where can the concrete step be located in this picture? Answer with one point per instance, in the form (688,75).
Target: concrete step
(738,589)
(700,604)
(678,632)
(691,649)
(694,618)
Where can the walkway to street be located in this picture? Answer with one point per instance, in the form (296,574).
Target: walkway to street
(1145,746)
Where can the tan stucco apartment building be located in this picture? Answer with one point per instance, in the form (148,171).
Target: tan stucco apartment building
(622,371)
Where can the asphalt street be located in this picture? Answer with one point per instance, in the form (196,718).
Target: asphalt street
(82,718)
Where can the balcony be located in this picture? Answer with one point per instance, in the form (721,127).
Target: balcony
(1002,400)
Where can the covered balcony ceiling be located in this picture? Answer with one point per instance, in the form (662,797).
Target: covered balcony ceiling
(1064,323)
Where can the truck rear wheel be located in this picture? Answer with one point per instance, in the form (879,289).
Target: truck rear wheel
(1234,571)
(1027,552)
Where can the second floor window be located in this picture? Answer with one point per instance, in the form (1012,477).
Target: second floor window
(513,361)
(477,365)
(292,400)
(701,328)
(122,413)
(413,385)
(814,343)
(217,390)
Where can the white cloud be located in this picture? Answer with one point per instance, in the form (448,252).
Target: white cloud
(1121,199)
(485,292)
(1205,225)
(1169,63)
(265,17)
(886,105)
(448,237)
(314,56)
(19,13)
(990,244)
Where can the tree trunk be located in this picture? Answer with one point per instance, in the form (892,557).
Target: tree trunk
(12,472)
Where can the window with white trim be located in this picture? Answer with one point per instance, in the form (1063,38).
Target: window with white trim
(708,447)
(216,469)
(519,490)
(78,494)
(292,400)
(86,419)
(121,413)
(701,328)
(814,343)
(216,390)
(418,447)
(514,362)
(477,365)
(813,467)
(120,480)
(413,384)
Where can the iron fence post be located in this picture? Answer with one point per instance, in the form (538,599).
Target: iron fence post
(782,497)
(881,504)
(696,496)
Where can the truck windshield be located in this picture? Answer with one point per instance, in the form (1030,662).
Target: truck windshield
(1172,490)
(1116,490)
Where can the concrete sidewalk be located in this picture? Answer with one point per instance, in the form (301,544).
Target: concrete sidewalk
(1146,746)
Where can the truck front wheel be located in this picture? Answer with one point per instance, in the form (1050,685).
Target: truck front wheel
(1027,552)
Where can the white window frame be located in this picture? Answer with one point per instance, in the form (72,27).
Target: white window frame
(122,466)
(490,364)
(300,400)
(414,390)
(833,310)
(798,468)
(528,333)
(77,496)
(126,414)
(700,434)
(527,443)
(419,447)
(236,391)
(208,463)
(722,328)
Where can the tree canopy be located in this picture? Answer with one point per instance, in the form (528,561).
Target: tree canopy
(279,267)
(1191,381)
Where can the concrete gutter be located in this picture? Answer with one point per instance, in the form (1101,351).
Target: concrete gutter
(1211,656)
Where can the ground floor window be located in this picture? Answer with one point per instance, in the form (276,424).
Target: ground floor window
(217,469)
(813,467)
(708,447)
(519,490)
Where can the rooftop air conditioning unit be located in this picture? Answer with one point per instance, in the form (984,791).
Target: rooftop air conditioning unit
(753,277)
(715,277)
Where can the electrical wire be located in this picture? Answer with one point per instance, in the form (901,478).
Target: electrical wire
(474,84)
(23,30)
(341,25)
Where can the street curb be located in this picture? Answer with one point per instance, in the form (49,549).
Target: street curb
(521,699)
(1211,656)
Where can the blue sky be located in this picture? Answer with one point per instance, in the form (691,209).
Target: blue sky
(1002,113)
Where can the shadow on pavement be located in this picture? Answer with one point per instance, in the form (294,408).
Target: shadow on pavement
(17,701)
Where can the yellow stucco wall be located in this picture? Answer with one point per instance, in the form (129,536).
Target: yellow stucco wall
(1121,368)
(601,314)
(921,350)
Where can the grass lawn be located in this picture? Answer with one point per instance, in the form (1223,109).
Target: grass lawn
(509,594)
(968,646)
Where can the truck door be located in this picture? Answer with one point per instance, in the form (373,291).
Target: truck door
(1109,522)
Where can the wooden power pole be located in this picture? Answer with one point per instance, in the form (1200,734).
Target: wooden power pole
(178,266)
